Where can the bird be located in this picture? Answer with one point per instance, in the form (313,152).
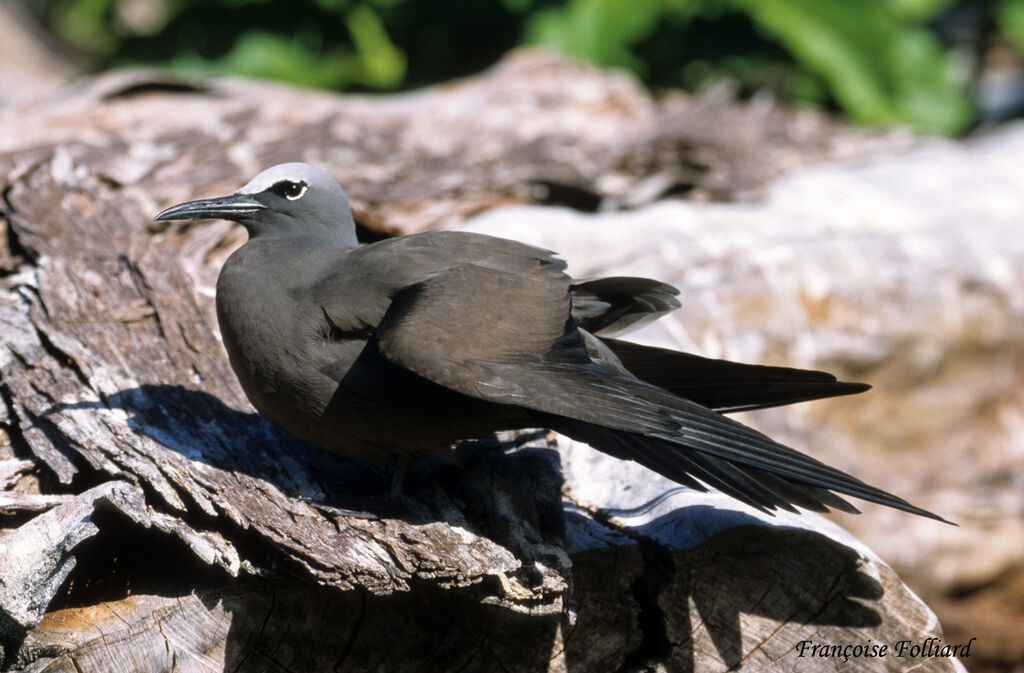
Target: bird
(405,348)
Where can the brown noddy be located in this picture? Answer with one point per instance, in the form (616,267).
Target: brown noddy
(402,348)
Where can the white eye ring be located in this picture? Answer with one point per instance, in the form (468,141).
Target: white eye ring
(290,189)
(302,192)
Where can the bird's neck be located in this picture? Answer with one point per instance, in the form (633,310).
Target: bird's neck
(323,234)
(289,260)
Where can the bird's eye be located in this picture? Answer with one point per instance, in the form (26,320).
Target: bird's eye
(290,189)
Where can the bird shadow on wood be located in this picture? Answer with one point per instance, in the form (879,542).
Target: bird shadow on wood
(199,426)
(790,576)
(287,626)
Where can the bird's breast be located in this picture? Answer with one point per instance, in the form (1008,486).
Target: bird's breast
(276,347)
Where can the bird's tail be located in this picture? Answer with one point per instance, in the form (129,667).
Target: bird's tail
(619,304)
(727,386)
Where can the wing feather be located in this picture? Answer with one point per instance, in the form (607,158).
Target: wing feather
(508,337)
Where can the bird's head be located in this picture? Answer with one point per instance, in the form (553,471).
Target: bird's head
(293,199)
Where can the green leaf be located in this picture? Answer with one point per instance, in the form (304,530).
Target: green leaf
(600,31)
(382,63)
(1010,17)
(86,25)
(273,56)
(303,59)
(880,70)
(916,10)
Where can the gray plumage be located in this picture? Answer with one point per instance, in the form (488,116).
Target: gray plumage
(404,347)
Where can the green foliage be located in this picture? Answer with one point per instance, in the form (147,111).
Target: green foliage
(597,30)
(317,43)
(1011,17)
(380,63)
(878,68)
(84,24)
(915,10)
(878,60)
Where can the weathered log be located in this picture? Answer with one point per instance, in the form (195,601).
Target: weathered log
(201,538)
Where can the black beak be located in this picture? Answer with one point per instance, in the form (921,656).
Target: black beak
(234,207)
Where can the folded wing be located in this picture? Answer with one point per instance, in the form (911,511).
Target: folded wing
(510,338)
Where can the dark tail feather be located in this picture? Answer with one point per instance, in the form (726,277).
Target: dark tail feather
(607,306)
(727,386)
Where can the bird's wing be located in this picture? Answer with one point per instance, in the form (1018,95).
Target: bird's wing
(359,288)
(509,338)
(506,337)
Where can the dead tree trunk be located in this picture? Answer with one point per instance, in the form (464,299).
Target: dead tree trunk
(153,522)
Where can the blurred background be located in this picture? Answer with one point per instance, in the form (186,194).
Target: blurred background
(937,66)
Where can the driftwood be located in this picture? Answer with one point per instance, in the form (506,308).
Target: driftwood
(154,522)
